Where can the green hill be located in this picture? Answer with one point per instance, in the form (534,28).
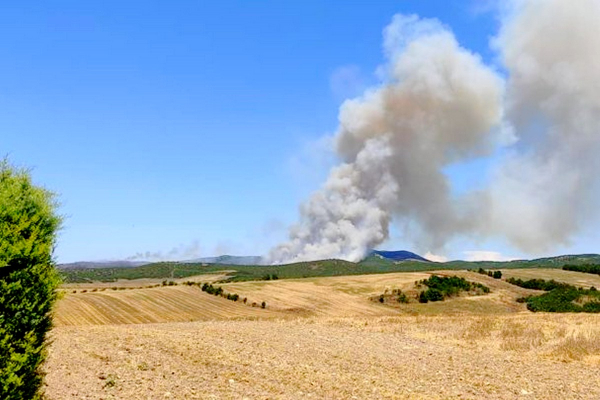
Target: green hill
(370,265)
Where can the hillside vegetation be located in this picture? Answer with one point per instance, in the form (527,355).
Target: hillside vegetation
(588,268)
(371,265)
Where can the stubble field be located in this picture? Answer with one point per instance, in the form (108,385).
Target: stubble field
(319,338)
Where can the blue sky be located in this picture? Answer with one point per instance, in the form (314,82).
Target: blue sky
(190,127)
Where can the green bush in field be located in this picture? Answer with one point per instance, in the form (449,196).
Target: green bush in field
(28,281)
(440,287)
(565,300)
(539,284)
(587,268)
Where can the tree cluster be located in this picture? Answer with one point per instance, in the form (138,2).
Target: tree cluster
(440,287)
(394,296)
(569,299)
(587,268)
(491,274)
(539,284)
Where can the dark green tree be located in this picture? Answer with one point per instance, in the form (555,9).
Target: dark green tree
(28,281)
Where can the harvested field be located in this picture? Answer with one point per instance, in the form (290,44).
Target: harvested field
(528,356)
(141,283)
(331,297)
(141,306)
(572,277)
(321,338)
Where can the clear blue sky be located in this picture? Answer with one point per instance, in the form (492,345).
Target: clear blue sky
(171,124)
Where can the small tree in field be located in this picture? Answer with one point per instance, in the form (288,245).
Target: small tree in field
(28,279)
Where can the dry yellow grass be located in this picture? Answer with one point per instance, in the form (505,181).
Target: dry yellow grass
(332,297)
(528,356)
(320,338)
(571,277)
(140,306)
(136,283)
(349,295)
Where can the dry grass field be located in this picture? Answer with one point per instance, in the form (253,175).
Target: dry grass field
(571,277)
(321,338)
(141,306)
(125,283)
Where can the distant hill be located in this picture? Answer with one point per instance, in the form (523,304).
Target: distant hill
(566,259)
(227,259)
(102,264)
(401,255)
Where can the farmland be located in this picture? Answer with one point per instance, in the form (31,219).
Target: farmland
(319,337)
(342,296)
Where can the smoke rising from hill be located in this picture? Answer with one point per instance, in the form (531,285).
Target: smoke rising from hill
(441,105)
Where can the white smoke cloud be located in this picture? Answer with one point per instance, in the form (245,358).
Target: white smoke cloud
(348,214)
(484,255)
(437,107)
(440,104)
(435,257)
(546,189)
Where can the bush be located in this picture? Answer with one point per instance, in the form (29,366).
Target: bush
(402,297)
(28,281)
(539,284)
(497,275)
(440,287)
(587,268)
(434,295)
(564,300)
(592,307)
(218,291)
(263,305)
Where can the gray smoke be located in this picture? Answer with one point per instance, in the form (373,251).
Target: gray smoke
(437,107)
(177,253)
(547,188)
(440,105)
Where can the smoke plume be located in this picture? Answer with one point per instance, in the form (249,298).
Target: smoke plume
(181,252)
(441,105)
(547,189)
